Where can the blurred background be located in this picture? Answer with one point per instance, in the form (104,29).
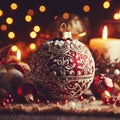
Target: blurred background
(27,23)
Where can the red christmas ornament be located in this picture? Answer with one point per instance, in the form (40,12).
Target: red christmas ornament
(102,86)
(64,67)
(28,92)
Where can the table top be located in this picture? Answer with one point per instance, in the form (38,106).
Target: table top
(60,111)
(56,116)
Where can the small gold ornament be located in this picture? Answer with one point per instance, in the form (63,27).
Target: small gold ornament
(105,94)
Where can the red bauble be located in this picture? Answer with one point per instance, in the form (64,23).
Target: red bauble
(27,91)
(101,83)
(64,67)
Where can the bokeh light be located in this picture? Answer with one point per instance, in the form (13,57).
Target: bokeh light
(28,18)
(116,16)
(30,12)
(66,15)
(106,4)
(32,46)
(1,12)
(3,27)
(33,34)
(13,6)
(11,35)
(36,28)
(9,20)
(42,8)
(14,48)
(86,8)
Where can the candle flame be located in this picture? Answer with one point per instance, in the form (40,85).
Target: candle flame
(105,32)
(18,55)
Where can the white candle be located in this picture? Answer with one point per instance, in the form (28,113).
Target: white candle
(109,47)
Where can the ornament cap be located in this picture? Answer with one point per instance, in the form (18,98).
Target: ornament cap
(66,35)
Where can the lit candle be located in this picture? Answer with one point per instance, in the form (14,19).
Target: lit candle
(109,47)
(18,55)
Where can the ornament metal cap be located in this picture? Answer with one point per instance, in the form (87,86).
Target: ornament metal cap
(66,35)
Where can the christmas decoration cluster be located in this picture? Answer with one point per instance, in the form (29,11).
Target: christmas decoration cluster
(64,74)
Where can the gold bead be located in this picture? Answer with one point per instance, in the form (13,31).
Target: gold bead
(92,99)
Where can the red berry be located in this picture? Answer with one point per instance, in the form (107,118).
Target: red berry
(80,98)
(47,101)
(65,101)
(11,100)
(112,100)
(106,101)
(9,96)
(56,103)
(4,102)
(37,100)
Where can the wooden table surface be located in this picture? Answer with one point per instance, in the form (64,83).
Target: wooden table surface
(54,116)
(69,111)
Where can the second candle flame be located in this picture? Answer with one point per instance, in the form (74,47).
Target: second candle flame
(105,32)
(18,55)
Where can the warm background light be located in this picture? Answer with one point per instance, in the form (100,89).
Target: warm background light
(30,12)
(36,28)
(42,8)
(66,15)
(33,23)
(9,20)
(14,48)
(28,18)
(14,6)
(1,12)
(3,27)
(117,16)
(33,34)
(86,8)
(11,35)
(32,46)
(106,4)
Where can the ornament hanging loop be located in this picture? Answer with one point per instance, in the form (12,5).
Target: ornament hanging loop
(65,34)
(63,27)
